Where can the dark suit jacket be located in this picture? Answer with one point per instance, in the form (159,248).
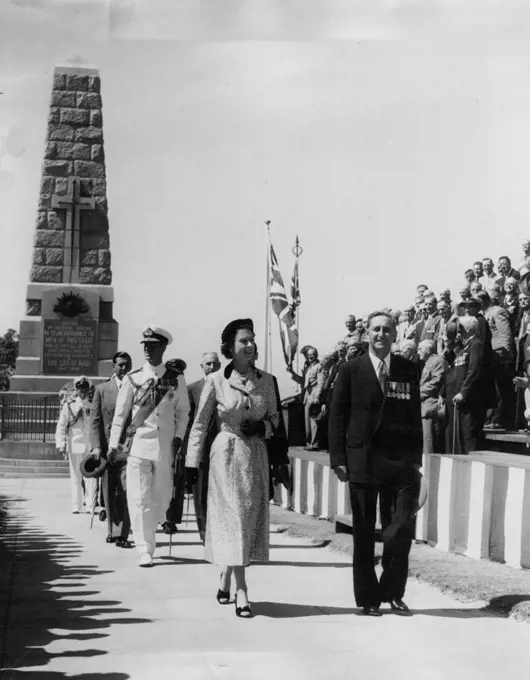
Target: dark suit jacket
(378,438)
(102,413)
(431,384)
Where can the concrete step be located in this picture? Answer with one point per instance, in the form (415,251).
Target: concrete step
(31,475)
(25,449)
(44,471)
(33,468)
(32,462)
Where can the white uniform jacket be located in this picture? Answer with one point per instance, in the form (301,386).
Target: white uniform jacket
(73,426)
(153,439)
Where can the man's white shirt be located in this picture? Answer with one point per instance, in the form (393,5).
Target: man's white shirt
(376,363)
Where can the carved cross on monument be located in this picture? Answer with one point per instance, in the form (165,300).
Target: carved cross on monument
(73,203)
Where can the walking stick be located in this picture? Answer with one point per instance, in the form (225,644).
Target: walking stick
(92,516)
(187,509)
(455,425)
(172,499)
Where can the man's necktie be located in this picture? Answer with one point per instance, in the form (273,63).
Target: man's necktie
(382,376)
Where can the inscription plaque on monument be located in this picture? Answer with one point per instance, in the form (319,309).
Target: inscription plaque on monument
(69,346)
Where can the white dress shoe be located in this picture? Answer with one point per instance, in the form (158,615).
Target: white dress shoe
(146,560)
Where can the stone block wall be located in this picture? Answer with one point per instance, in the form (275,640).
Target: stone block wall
(74,148)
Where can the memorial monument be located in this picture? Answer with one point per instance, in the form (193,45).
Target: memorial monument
(69,327)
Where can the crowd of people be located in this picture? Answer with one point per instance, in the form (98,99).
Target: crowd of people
(472,355)
(140,441)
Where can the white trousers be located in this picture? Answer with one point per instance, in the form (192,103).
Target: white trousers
(76,485)
(149,489)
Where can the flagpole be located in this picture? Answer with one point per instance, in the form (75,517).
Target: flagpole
(267,301)
(297,251)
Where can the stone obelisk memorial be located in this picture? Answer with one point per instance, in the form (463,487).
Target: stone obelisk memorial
(69,329)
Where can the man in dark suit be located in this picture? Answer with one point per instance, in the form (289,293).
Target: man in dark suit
(113,481)
(375,436)
(210,364)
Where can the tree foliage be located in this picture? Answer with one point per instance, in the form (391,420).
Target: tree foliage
(8,357)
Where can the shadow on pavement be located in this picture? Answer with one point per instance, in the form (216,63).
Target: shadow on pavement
(40,592)
(287,610)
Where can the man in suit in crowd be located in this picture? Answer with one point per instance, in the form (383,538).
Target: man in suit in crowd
(466,390)
(210,364)
(351,327)
(503,361)
(445,312)
(114,477)
(431,385)
(375,438)
(312,381)
(432,322)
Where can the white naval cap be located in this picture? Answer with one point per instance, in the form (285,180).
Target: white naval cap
(152,333)
(82,379)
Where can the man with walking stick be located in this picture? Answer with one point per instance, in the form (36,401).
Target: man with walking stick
(466,390)
(152,414)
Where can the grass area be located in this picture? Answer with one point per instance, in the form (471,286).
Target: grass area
(504,590)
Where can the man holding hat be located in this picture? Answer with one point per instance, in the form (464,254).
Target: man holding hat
(114,476)
(147,431)
(72,440)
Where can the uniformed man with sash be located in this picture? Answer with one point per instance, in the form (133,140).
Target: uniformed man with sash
(147,430)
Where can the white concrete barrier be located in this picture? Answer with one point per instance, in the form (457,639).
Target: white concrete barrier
(478,505)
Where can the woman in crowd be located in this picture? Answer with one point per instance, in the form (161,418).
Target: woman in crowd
(245,401)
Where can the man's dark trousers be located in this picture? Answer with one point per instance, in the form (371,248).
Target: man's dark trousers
(116,494)
(397,539)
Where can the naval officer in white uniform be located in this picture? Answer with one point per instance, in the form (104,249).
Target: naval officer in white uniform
(72,440)
(148,428)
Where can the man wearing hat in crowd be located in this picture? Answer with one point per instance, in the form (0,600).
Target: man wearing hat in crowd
(114,476)
(72,440)
(147,431)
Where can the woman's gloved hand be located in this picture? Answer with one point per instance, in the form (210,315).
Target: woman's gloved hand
(252,428)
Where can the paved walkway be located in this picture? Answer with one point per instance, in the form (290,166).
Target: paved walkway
(78,608)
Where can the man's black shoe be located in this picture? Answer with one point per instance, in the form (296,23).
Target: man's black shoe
(169,528)
(102,515)
(372,611)
(123,543)
(399,607)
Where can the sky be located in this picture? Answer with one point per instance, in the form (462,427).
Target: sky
(392,137)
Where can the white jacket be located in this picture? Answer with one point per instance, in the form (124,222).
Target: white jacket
(153,440)
(73,426)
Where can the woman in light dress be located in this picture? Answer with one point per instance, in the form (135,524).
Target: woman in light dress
(244,401)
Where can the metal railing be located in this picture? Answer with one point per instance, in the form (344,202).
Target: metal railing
(28,419)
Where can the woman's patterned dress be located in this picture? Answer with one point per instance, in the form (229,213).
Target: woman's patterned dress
(237,525)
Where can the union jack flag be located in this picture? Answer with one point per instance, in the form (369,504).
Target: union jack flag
(282,309)
(295,290)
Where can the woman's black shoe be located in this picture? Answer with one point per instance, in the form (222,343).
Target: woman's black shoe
(110,539)
(223,596)
(243,612)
